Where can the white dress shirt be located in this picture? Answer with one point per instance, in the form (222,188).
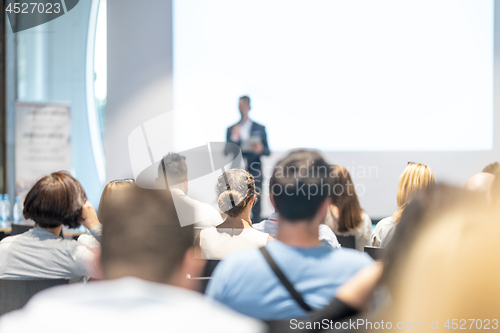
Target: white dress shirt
(270,226)
(383,232)
(245,129)
(125,305)
(191,211)
(217,243)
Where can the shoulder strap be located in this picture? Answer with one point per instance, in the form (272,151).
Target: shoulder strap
(284,281)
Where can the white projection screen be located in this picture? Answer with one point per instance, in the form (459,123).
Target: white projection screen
(372,84)
(318,71)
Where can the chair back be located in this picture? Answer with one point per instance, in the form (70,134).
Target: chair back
(375,252)
(210,267)
(347,241)
(18,229)
(206,274)
(14,294)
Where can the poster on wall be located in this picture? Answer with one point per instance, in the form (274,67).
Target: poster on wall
(43,142)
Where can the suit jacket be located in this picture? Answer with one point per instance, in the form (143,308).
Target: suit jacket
(256,130)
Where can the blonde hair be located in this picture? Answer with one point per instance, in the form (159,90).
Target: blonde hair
(416,176)
(109,191)
(235,188)
(451,271)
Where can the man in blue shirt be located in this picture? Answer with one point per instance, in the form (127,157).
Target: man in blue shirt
(244,281)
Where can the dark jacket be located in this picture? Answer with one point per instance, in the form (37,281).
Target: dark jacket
(256,130)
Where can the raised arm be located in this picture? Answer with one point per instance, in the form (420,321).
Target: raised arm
(231,149)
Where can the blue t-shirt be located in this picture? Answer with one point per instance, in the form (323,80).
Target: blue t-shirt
(245,282)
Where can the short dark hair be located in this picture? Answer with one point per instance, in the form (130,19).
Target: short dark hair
(246,99)
(492,168)
(298,196)
(54,200)
(175,168)
(142,236)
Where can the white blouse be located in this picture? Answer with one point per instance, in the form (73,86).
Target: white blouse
(216,243)
(361,233)
(383,232)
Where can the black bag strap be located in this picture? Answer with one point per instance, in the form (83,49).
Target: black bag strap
(284,281)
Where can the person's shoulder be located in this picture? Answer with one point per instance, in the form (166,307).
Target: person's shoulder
(231,127)
(240,260)
(260,126)
(386,222)
(89,241)
(261,226)
(10,239)
(256,231)
(325,229)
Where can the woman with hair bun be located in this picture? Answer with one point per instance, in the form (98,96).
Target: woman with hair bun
(236,196)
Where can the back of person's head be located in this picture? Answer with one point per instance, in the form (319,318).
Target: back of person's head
(55,200)
(492,168)
(481,184)
(344,196)
(175,168)
(300,184)
(235,189)
(450,270)
(246,99)
(142,236)
(424,206)
(109,191)
(416,176)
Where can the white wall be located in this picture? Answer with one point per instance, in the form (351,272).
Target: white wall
(139,74)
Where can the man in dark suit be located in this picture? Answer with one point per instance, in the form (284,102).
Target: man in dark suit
(242,131)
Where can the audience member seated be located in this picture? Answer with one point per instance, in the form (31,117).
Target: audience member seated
(416,176)
(423,207)
(245,281)
(352,298)
(270,226)
(480,184)
(421,212)
(449,275)
(189,210)
(145,258)
(56,200)
(345,216)
(236,196)
(111,189)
